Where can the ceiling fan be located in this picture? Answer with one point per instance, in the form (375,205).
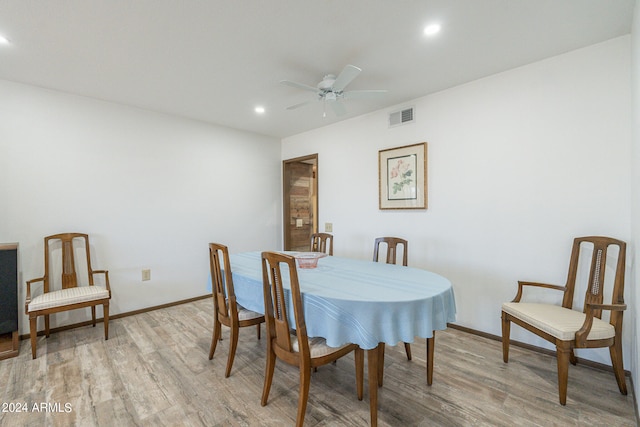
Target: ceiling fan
(331,90)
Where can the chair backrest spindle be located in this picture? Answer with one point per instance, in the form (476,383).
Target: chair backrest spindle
(595,286)
(276,300)
(69,275)
(221,280)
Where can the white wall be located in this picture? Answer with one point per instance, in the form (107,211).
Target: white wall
(151,191)
(519,163)
(635,198)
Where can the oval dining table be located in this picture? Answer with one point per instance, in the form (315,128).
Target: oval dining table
(362,302)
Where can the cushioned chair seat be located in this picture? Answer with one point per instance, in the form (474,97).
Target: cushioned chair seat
(67,297)
(317,346)
(244,314)
(558,321)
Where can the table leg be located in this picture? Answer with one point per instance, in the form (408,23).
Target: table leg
(431,345)
(372,362)
(381,348)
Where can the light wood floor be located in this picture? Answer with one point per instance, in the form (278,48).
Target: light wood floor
(154,371)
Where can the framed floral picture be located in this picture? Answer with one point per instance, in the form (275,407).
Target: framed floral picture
(402,177)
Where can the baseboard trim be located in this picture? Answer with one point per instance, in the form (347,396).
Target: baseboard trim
(120,315)
(585,362)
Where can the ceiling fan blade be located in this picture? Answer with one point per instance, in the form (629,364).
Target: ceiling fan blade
(338,108)
(299,85)
(364,94)
(349,73)
(302,104)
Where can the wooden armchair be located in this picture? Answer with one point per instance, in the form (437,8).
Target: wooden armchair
(568,328)
(320,241)
(72,295)
(392,253)
(295,348)
(226,311)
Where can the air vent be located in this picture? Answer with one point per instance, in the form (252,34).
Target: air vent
(401,117)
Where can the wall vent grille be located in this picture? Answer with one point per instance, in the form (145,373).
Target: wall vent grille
(401,117)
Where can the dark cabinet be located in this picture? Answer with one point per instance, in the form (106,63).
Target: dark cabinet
(9,344)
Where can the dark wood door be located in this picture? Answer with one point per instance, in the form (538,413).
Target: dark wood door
(300,202)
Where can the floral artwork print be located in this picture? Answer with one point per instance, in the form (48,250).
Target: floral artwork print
(401,177)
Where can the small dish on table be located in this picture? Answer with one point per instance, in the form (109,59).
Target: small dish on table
(308,260)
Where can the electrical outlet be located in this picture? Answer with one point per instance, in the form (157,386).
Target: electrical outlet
(146,274)
(328,227)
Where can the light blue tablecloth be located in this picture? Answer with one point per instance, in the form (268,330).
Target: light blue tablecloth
(355,301)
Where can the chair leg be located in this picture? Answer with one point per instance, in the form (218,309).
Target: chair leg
(215,338)
(407,349)
(305,380)
(33,333)
(359,357)
(563,351)
(93,315)
(105,311)
(572,358)
(268,375)
(506,331)
(233,345)
(431,346)
(618,368)
(46,325)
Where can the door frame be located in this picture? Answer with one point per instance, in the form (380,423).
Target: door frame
(286,198)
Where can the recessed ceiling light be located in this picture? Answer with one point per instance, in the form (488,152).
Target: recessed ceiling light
(3,40)
(431,29)
(259,109)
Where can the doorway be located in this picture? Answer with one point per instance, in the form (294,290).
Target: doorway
(300,201)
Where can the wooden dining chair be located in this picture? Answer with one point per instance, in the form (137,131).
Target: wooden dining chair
(392,253)
(322,242)
(295,348)
(73,293)
(392,249)
(226,311)
(568,328)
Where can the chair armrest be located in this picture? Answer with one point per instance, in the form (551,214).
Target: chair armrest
(583,332)
(106,277)
(612,307)
(28,296)
(522,284)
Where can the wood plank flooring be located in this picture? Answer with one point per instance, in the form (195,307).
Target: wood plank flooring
(154,371)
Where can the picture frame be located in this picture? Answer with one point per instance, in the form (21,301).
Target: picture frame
(402,177)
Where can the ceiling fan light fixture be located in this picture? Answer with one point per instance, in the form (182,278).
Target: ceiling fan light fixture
(332,90)
(432,29)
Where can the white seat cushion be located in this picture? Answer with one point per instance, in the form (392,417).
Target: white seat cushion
(557,321)
(67,297)
(317,346)
(244,314)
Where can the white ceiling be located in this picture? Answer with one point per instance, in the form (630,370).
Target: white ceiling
(215,60)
